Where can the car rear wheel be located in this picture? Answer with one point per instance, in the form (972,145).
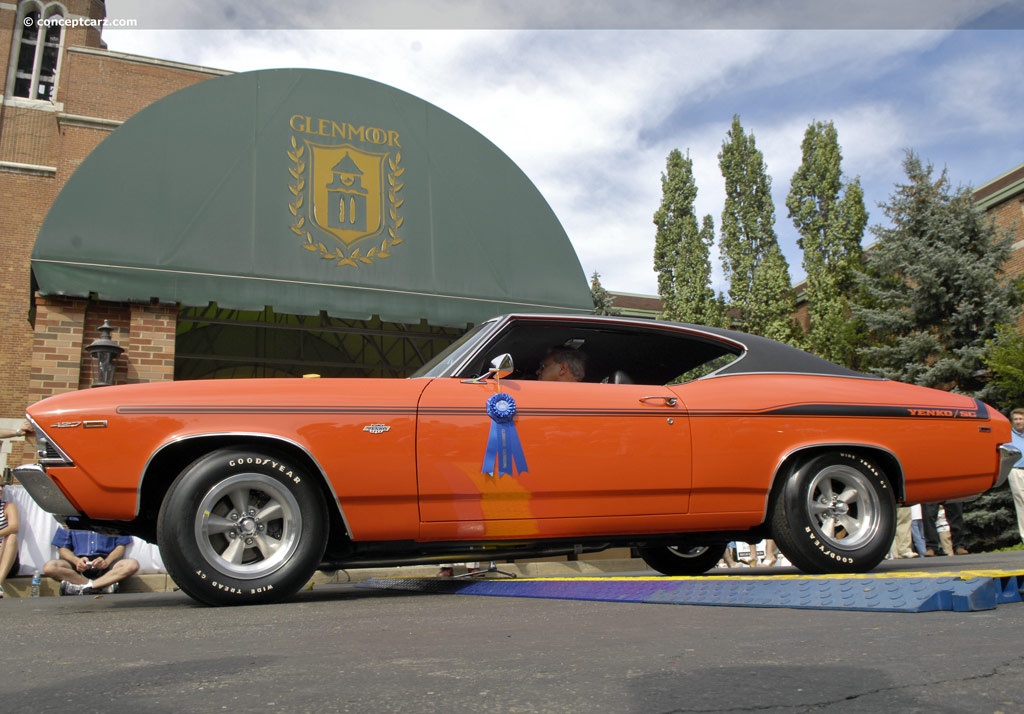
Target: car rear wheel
(683,560)
(241,527)
(836,513)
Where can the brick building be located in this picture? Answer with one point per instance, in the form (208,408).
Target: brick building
(1003,199)
(63,94)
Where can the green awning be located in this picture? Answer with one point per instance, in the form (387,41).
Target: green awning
(307,191)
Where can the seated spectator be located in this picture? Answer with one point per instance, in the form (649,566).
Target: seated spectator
(24,430)
(90,563)
(9,518)
(8,539)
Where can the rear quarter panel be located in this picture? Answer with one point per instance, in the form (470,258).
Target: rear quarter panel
(745,426)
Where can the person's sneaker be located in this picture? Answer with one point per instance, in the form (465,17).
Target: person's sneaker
(961,551)
(69,588)
(108,590)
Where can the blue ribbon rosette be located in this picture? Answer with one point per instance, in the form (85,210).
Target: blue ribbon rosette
(503,442)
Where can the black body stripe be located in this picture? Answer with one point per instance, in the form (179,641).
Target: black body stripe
(866,411)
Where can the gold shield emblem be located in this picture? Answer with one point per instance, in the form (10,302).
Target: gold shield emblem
(341,195)
(346,188)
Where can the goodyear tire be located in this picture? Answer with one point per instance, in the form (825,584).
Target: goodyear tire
(683,560)
(836,513)
(242,527)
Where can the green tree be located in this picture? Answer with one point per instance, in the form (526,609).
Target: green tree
(932,291)
(830,217)
(1004,358)
(604,303)
(760,291)
(695,299)
(932,301)
(682,249)
(678,192)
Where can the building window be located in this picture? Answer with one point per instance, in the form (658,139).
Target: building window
(38,52)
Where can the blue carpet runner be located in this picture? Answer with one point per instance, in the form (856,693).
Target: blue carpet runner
(885,592)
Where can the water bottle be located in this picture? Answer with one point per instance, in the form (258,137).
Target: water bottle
(35,584)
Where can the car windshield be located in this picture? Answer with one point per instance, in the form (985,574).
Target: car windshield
(442,362)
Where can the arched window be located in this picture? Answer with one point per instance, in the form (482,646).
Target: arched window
(37,43)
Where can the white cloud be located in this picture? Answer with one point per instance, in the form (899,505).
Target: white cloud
(590,116)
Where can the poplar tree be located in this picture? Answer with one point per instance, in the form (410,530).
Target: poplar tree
(695,299)
(682,250)
(830,217)
(933,294)
(760,292)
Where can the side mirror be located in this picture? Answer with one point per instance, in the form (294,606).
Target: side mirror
(502,366)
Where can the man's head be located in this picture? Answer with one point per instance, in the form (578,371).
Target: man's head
(1017,417)
(562,364)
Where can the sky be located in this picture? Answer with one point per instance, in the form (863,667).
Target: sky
(588,97)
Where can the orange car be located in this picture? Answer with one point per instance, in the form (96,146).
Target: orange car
(677,440)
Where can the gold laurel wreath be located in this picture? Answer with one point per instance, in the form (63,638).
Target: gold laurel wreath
(298,172)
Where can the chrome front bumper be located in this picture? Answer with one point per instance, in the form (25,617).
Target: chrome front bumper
(44,491)
(1008,456)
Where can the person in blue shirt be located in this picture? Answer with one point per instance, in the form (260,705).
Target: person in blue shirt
(90,563)
(1017,472)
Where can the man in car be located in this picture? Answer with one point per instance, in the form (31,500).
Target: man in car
(562,364)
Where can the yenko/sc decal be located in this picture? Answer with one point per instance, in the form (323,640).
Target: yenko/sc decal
(945,413)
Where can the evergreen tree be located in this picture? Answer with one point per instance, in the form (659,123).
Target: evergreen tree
(932,292)
(991,521)
(932,300)
(604,303)
(830,217)
(760,291)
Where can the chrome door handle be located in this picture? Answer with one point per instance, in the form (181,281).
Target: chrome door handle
(669,401)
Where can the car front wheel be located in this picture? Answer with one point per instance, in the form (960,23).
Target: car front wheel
(683,560)
(836,513)
(242,527)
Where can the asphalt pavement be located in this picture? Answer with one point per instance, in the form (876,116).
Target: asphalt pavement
(341,647)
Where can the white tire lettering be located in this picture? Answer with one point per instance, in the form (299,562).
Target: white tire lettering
(273,465)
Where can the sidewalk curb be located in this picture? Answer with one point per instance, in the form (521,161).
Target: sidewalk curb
(161,582)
